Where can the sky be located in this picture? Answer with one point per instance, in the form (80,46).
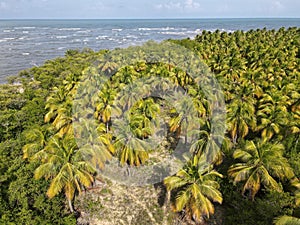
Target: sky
(104,9)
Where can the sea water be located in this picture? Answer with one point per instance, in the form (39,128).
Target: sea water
(28,43)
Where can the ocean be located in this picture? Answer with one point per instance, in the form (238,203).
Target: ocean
(28,43)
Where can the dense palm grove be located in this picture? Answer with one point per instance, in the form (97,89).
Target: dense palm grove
(250,178)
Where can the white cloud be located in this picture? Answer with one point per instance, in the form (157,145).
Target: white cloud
(146,8)
(192,4)
(171,5)
(277,5)
(187,4)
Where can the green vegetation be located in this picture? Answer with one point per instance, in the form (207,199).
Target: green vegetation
(57,123)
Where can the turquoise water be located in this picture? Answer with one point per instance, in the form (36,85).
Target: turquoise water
(26,43)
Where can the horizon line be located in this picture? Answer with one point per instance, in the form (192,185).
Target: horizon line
(151,18)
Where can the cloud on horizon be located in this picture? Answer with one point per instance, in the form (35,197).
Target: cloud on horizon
(147,9)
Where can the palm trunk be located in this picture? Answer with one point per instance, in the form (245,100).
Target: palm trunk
(71,205)
(165,207)
(186,130)
(128,171)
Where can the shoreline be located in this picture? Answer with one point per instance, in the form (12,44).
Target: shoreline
(119,34)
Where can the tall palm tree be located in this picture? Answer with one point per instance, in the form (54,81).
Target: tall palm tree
(63,164)
(260,163)
(195,188)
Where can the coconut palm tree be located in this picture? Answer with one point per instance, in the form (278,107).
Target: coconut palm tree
(130,149)
(209,140)
(94,142)
(186,115)
(272,116)
(195,188)
(62,163)
(36,139)
(148,108)
(286,220)
(295,183)
(59,106)
(240,117)
(131,94)
(261,163)
(105,106)
(144,118)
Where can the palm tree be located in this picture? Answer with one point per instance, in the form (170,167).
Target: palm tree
(148,108)
(130,94)
(185,117)
(209,141)
(195,188)
(54,102)
(240,118)
(126,75)
(63,121)
(36,139)
(105,106)
(295,183)
(261,162)
(286,220)
(144,118)
(94,142)
(63,164)
(59,105)
(129,147)
(272,116)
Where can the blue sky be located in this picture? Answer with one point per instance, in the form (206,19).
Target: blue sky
(147,8)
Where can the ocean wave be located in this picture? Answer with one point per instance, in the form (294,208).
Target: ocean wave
(132,36)
(24,28)
(188,33)
(156,28)
(76,40)
(25,53)
(173,33)
(116,29)
(101,37)
(61,37)
(70,28)
(226,30)
(7,31)
(83,31)
(144,34)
